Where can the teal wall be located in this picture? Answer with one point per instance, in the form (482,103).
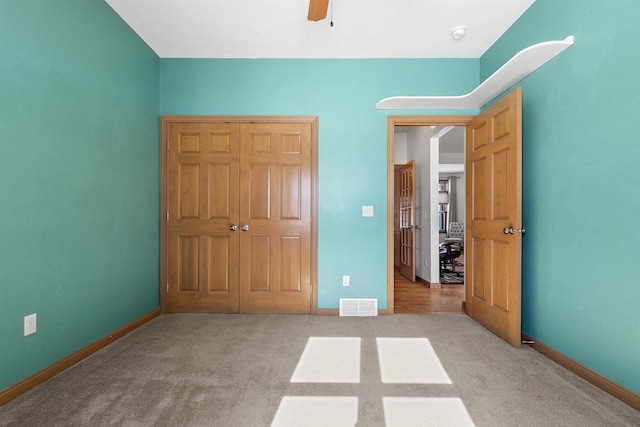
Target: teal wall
(581,182)
(79,185)
(353,139)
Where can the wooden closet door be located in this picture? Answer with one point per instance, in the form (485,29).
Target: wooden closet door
(203,203)
(275,212)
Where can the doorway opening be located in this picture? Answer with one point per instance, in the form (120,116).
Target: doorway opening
(428,230)
(426,294)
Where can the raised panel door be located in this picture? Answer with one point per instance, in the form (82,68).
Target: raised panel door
(275,212)
(257,177)
(203,202)
(493,254)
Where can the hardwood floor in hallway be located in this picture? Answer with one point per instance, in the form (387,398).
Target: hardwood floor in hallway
(417,298)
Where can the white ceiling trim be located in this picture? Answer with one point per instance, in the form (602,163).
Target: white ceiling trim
(521,65)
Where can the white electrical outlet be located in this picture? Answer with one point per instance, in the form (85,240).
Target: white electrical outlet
(345,280)
(30,324)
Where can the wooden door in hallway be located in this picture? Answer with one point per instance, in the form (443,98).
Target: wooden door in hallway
(407,221)
(493,249)
(239,230)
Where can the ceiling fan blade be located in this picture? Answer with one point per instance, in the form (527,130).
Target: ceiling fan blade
(317,10)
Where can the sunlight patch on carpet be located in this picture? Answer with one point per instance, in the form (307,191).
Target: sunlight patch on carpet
(325,411)
(425,412)
(410,361)
(329,360)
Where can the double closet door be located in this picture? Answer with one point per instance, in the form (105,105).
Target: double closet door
(238,233)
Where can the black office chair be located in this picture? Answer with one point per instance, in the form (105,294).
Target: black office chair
(448,256)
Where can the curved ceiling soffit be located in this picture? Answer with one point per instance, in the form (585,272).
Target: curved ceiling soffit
(518,67)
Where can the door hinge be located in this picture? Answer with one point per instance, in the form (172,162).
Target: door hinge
(167,287)
(168,144)
(167,216)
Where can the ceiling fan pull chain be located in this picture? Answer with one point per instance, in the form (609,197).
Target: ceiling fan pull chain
(331,12)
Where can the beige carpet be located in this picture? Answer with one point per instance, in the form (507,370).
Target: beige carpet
(289,370)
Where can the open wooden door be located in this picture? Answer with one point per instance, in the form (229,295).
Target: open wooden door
(494,218)
(407,221)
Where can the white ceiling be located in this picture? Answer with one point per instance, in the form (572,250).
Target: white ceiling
(280,29)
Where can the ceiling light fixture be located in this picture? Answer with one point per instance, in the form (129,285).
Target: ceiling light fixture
(459,32)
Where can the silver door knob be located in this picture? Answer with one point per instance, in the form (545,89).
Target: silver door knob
(508,230)
(522,230)
(245,227)
(233,227)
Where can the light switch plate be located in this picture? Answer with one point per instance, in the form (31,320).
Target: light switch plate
(367,211)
